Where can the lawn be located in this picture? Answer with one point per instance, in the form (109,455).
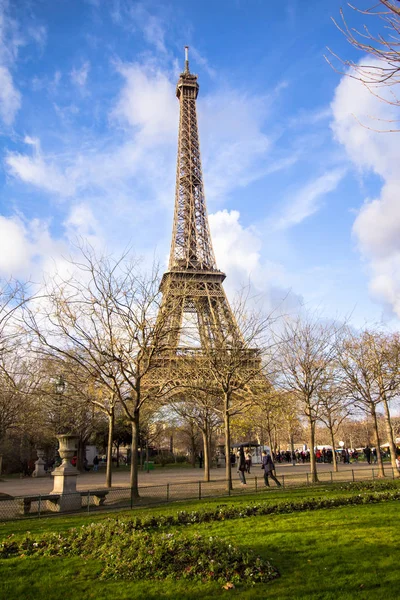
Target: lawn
(348,552)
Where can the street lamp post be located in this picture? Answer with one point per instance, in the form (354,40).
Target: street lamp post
(60,389)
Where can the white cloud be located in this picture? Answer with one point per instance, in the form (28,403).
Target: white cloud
(79,76)
(15,250)
(39,35)
(10,98)
(238,252)
(307,201)
(39,171)
(81,223)
(377,226)
(147,102)
(10,41)
(25,246)
(136,17)
(236,148)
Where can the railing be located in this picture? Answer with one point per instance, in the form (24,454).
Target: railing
(91,501)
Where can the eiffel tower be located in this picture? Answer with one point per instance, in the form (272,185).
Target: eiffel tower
(192,285)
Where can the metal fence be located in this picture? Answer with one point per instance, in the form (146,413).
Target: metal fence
(91,501)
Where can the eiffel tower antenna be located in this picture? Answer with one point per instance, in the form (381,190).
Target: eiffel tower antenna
(193,284)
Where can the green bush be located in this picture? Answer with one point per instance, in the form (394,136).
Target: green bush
(165,458)
(181,459)
(130,555)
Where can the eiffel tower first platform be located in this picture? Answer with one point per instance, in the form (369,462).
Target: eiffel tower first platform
(192,286)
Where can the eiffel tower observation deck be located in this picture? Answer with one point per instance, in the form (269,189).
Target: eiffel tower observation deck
(193,284)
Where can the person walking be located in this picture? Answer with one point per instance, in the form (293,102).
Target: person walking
(248,462)
(242,466)
(269,469)
(367,454)
(398,462)
(96,463)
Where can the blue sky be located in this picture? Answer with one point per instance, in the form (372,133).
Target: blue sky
(302,199)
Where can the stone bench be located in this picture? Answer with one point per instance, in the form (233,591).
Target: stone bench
(99,496)
(26,502)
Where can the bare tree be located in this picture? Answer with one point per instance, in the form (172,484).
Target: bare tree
(199,408)
(384,351)
(104,318)
(381,75)
(334,409)
(361,380)
(307,353)
(236,365)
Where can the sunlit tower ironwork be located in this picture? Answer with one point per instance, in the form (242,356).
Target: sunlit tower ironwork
(192,285)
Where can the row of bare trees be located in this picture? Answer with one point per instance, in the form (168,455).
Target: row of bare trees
(105,331)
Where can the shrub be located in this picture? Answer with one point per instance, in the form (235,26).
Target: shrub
(128,554)
(165,458)
(181,458)
(171,555)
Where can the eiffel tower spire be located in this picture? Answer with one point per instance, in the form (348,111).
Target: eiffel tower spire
(193,284)
(191,246)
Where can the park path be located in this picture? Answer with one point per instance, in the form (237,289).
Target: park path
(27,485)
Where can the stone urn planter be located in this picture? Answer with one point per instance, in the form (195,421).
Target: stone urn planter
(65,476)
(39,464)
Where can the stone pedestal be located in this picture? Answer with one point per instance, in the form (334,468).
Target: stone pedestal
(39,464)
(65,476)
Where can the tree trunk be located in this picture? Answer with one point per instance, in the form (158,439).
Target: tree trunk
(292,450)
(381,472)
(389,431)
(313,464)
(109,447)
(206,453)
(134,455)
(335,465)
(227,425)
(80,456)
(192,449)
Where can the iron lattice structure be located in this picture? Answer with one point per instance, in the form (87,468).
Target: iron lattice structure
(192,286)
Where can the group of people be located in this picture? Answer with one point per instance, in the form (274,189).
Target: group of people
(370,454)
(267,464)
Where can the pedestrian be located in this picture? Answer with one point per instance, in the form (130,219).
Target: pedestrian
(96,463)
(367,454)
(398,462)
(269,469)
(241,466)
(375,455)
(248,462)
(201,459)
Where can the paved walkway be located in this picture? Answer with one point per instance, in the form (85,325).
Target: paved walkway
(28,485)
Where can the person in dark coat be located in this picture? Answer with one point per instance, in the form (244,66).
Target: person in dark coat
(367,454)
(242,466)
(269,469)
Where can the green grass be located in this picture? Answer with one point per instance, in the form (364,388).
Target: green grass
(343,553)
(56,522)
